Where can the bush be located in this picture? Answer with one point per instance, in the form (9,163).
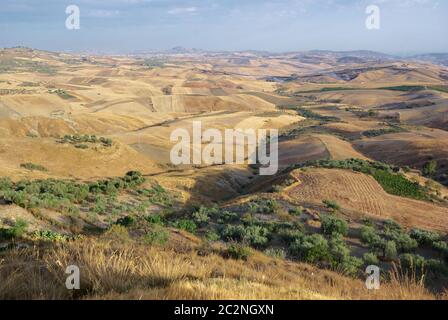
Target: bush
(126,221)
(394,232)
(32,166)
(331,204)
(390,250)
(185,224)
(157,235)
(256,236)
(227,216)
(155,219)
(202,216)
(332,225)
(275,253)
(238,252)
(424,237)
(296,211)
(412,261)
(430,168)
(253,235)
(370,258)
(264,206)
(212,236)
(48,235)
(370,237)
(311,248)
(17,230)
(288,235)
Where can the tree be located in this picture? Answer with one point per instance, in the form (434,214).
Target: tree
(430,168)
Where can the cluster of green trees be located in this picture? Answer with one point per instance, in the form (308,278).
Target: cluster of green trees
(393,243)
(80,140)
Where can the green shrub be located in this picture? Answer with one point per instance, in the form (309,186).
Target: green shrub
(370,258)
(227,216)
(155,219)
(253,235)
(264,206)
(296,211)
(212,236)
(331,204)
(412,261)
(390,250)
(340,258)
(288,235)
(202,216)
(32,166)
(17,230)
(393,231)
(238,252)
(48,235)
(430,168)
(126,221)
(275,253)
(158,235)
(371,237)
(185,224)
(331,224)
(311,248)
(424,237)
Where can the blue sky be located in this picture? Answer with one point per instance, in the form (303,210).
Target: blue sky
(407,26)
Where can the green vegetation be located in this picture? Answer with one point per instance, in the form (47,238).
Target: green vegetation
(264,206)
(405,88)
(238,252)
(388,177)
(51,236)
(380,132)
(62,94)
(253,235)
(81,141)
(154,63)
(276,253)
(17,230)
(430,168)
(311,248)
(370,259)
(10,65)
(98,197)
(33,166)
(331,225)
(424,237)
(158,235)
(331,204)
(314,116)
(185,224)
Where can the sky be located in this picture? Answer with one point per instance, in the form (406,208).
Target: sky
(124,26)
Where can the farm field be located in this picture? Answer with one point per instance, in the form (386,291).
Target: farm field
(86,175)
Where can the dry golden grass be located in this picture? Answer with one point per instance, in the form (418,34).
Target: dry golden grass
(112,270)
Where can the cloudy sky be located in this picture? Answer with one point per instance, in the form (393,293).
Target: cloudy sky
(407,26)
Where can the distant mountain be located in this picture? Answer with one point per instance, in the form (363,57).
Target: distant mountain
(182,50)
(437,58)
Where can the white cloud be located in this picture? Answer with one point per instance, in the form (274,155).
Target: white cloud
(183,10)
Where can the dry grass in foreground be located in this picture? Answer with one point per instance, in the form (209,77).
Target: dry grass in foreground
(121,271)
